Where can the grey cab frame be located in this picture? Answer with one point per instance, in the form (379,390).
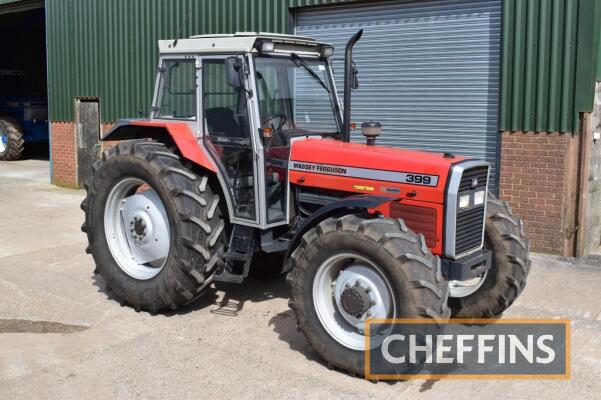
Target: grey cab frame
(199,126)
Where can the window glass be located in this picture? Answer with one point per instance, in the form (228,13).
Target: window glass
(228,136)
(178,90)
(295,96)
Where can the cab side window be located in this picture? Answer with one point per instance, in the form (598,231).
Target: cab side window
(178,90)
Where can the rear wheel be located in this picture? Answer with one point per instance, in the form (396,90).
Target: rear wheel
(494,291)
(351,269)
(154,226)
(11,140)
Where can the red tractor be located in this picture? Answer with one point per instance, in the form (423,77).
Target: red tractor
(247,151)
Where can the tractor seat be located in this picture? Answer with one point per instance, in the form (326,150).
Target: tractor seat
(222,122)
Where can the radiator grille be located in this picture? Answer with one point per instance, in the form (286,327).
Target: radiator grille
(479,173)
(470,223)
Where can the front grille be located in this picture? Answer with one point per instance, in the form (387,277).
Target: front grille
(479,173)
(470,222)
(469,229)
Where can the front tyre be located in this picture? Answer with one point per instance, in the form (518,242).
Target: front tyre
(493,292)
(351,269)
(153,225)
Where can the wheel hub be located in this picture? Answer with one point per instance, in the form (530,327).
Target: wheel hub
(139,228)
(355,300)
(348,290)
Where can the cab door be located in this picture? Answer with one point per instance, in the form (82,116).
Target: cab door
(228,137)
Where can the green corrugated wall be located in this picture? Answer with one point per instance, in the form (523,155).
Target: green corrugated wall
(549,63)
(107,49)
(599,52)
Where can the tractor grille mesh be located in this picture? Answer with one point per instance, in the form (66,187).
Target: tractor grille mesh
(470,222)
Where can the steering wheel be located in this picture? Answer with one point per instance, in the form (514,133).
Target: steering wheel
(282,117)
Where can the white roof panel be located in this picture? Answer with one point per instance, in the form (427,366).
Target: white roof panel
(239,42)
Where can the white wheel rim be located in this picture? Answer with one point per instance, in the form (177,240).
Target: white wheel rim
(341,272)
(137,229)
(3,140)
(458,289)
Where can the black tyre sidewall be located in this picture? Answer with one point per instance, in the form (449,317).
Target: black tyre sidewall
(326,249)
(506,278)
(407,299)
(115,170)
(14,139)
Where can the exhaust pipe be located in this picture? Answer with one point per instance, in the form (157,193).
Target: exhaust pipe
(348,72)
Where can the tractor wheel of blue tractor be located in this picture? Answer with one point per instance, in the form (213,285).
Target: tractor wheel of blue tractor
(11,140)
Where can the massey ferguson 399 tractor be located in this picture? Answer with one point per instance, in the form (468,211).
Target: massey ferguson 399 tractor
(247,152)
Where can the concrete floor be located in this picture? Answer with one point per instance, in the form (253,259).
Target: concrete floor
(69,340)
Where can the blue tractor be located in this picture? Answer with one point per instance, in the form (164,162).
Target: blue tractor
(23,121)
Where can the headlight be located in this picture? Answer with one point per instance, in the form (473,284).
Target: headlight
(464,201)
(479,197)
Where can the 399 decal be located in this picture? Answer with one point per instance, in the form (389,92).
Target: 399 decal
(417,179)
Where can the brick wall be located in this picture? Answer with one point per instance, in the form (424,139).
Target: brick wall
(64,154)
(535,176)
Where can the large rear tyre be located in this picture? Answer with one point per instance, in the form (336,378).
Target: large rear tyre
(493,292)
(11,140)
(351,269)
(154,226)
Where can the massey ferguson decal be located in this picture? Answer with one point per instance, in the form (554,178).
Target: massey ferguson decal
(319,168)
(366,173)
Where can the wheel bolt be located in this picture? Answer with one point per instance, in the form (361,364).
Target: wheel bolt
(347,285)
(357,282)
(368,289)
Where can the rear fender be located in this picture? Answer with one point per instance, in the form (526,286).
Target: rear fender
(177,132)
(347,205)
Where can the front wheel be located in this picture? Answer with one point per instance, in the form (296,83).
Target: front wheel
(495,290)
(349,270)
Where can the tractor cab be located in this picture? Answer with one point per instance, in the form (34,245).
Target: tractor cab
(248,96)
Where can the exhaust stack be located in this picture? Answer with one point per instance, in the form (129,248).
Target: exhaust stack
(348,83)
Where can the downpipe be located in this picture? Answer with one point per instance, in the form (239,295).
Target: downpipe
(348,72)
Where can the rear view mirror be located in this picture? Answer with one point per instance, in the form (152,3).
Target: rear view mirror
(233,72)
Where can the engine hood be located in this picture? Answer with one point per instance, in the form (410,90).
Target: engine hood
(376,169)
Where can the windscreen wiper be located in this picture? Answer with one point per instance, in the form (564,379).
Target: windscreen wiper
(299,62)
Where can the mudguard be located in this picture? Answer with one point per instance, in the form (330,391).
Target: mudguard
(356,203)
(179,132)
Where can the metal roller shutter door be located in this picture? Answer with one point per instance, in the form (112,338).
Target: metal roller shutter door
(428,70)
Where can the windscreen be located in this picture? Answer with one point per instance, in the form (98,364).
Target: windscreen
(296,95)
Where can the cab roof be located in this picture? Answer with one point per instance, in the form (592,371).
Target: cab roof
(240,42)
